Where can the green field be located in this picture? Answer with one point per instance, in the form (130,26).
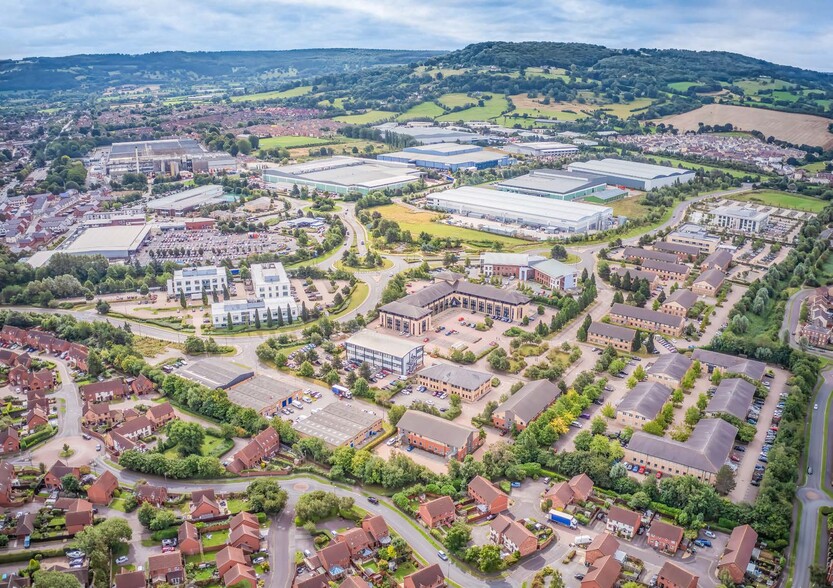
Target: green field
(419,221)
(454,100)
(554,73)
(490,109)
(751,87)
(293,141)
(629,207)
(783,200)
(689,165)
(371,116)
(423,110)
(291,93)
(681,86)
(816,167)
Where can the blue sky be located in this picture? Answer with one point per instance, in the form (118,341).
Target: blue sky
(795,33)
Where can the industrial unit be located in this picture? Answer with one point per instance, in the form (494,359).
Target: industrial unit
(541,149)
(447,156)
(167,156)
(383,351)
(639,176)
(190,280)
(187,200)
(561,185)
(429,134)
(112,243)
(264,394)
(342,175)
(340,425)
(216,373)
(555,215)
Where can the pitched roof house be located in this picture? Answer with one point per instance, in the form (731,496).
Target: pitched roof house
(490,498)
(188,539)
(738,552)
(427,577)
(101,491)
(602,545)
(437,512)
(166,568)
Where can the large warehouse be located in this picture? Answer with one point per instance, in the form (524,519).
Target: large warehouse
(560,185)
(111,242)
(187,200)
(383,351)
(342,175)
(630,174)
(447,156)
(216,373)
(341,425)
(167,156)
(430,134)
(541,149)
(571,217)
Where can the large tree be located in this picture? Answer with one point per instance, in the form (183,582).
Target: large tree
(188,437)
(266,496)
(44,579)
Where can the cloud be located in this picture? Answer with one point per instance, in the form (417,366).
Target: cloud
(763,29)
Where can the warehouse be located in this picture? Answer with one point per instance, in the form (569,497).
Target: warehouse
(383,351)
(541,149)
(340,425)
(630,174)
(187,200)
(264,394)
(438,435)
(166,156)
(447,156)
(469,385)
(556,215)
(342,175)
(110,242)
(216,373)
(559,185)
(429,134)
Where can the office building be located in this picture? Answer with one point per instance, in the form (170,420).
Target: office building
(525,405)
(695,235)
(470,385)
(654,281)
(560,185)
(546,213)
(269,280)
(733,396)
(630,174)
(438,435)
(647,319)
(547,272)
(384,351)
(640,254)
(684,252)
(667,270)
(447,156)
(642,404)
(342,175)
(541,149)
(679,302)
(730,364)
(708,283)
(603,334)
(745,219)
(247,312)
(191,280)
(339,425)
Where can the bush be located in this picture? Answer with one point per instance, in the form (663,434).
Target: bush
(169,533)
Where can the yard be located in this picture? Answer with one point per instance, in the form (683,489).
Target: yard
(371,116)
(211,447)
(403,570)
(215,538)
(291,93)
(783,200)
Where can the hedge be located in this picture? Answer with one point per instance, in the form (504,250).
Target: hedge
(169,533)
(16,556)
(41,435)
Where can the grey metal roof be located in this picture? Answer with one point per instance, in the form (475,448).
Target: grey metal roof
(260,392)
(436,428)
(706,449)
(646,399)
(407,310)
(640,253)
(531,400)
(673,365)
(731,364)
(646,314)
(456,376)
(683,297)
(552,181)
(381,342)
(677,248)
(428,295)
(554,268)
(713,277)
(216,373)
(613,331)
(733,396)
(336,423)
(666,266)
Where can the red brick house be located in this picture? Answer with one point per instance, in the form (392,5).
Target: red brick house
(42,380)
(603,573)
(9,440)
(228,557)
(52,478)
(189,539)
(18,376)
(488,496)
(104,391)
(357,540)
(131,580)
(77,356)
(335,559)
(262,446)
(155,495)
(665,537)
(24,360)
(35,418)
(244,532)
(376,527)
(428,577)
(10,334)
(738,552)
(204,504)
(623,522)
(160,414)
(603,544)
(80,518)
(673,576)
(101,491)
(100,415)
(437,512)
(512,536)
(141,385)
(7,478)
(166,568)
(240,574)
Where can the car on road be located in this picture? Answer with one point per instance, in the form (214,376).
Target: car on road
(579,576)
(372,500)
(121,559)
(815,407)
(809,470)
(442,555)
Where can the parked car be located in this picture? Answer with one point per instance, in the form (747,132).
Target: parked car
(709,534)
(121,559)
(515,484)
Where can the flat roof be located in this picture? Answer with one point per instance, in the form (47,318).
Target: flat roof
(738,211)
(543,145)
(345,171)
(553,181)
(632,169)
(431,134)
(200,196)
(337,423)
(101,239)
(158,148)
(449,158)
(521,203)
(260,392)
(396,346)
(216,373)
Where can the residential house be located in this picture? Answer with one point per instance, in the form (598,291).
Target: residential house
(264,445)
(188,539)
(7,483)
(603,573)
(42,379)
(604,334)
(100,415)
(79,517)
(82,574)
(160,414)
(25,525)
(316,581)
(18,376)
(623,522)
(357,540)
(104,391)
(489,498)
(78,357)
(204,504)
(37,399)
(335,559)
(9,440)
(35,418)
(427,577)
(228,557)
(377,529)
(708,283)
(673,576)
(135,579)
(603,545)
(525,405)
(8,357)
(52,478)
(101,491)
(665,536)
(166,568)
(240,574)
(133,431)
(438,512)
(512,536)
(13,335)
(244,532)
(738,553)
(578,489)
(155,495)
(141,385)
(679,302)
(669,369)
(354,582)
(24,360)
(12,580)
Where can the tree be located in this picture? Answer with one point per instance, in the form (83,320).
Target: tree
(598,426)
(102,306)
(457,537)
(71,485)
(649,343)
(194,345)
(395,413)
(266,496)
(162,519)
(94,364)
(44,579)
(182,302)
(489,559)
(99,542)
(188,437)
(361,388)
(306,370)
(724,482)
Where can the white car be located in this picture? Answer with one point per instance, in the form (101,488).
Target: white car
(815,407)
(122,560)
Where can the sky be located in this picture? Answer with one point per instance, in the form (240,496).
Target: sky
(794,33)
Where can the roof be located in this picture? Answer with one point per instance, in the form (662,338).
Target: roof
(134,579)
(706,449)
(632,169)
(407,310)
(554,268)
(103,240)
(514,259)
(581,484)
(396,346)
(436,428)
(164,561)
(739,547)
(60,469)
(230,554)
(713,277)
(377,526)
(216,373)
(316,581)
(605,543)
(733,396)
(640,253)
(666,266)
(260,392)
(623,515)
(356,538)
(469,157)
(187,530)
(348,172)
(439,506)
(511,530)
(336,423)
(152,493)
(333,554)
(646,399)
(673,365)
(485,489)
(692,250)
(238,573)
(562,491)
(730,363)
(604,571)
(552,181)
(457,376)
(354,582)
(721,258)
(490,292)
(158,411)
(683,297)
(427,576)
(744,212)
(531,400)
(677,575)
(188,199)
(133,426)
(116,386)
(646,314)
(636,274)
(611,331)
(666,531)
(107,482)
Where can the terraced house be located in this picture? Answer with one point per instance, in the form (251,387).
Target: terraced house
(469,385)
(647,319)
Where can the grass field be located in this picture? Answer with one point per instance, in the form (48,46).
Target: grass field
(554,73)
(291,93)
(423,110)
(419,221)
(783,200)
(454,100)
(490,109)
(681,86)
(816,167)
(629,207)
(371,116)
(751,87)
(293,141)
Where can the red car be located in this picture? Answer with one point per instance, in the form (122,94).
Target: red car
(735,457)
(641,469)
(659,475)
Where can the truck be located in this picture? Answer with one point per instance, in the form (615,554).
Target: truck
(562,518)
(342,392)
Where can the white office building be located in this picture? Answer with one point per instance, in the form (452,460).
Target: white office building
(739,218)
(247,311)
(384,351)
(270,281)
(195,280)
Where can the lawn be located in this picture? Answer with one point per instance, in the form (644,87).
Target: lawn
(453,100)
(292,141)
(419,221)
(406,569)
(118,504)
(815,167)
(215,538)
(371,116)
(783,200)
(291,93)
(150,347)
(211,447)
(423,110)
(492,108)
(629,207)
(554,73)
(681,86)
(751,87)
(235,505)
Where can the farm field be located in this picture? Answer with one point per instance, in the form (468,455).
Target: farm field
(293,141)
(815,167)
(423,110)
(419,221)
(796,128)
(433,71)
(490,109)
(555,73)
(751,87)
(371,116)
(291,93)
(783,200)
(454,100)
